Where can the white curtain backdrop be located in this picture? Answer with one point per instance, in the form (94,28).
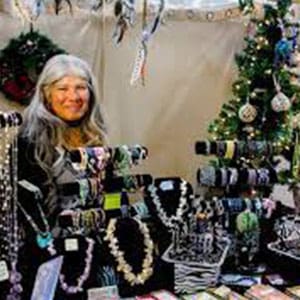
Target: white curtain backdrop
(190,70)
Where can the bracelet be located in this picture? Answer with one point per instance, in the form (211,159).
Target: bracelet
(221,148)
(83,190)
(207,147)
(233,178)
(223,176)
(252,177)
(229,149)
(208,176)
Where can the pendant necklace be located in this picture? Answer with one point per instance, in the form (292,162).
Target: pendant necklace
(44,239)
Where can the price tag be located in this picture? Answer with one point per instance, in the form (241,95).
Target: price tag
(167,185)
(104,293)
(71,244)
(4,274)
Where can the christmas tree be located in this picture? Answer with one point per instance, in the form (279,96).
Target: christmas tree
(258,122)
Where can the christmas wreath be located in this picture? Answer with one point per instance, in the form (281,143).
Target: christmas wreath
(21,62)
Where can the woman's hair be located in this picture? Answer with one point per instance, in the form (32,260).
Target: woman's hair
(44,129)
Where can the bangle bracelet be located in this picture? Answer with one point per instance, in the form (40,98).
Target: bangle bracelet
(223,176)
(252,177)
(229,149)
(233,176)
(207,144)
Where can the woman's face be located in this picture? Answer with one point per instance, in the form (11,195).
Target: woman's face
(69,98)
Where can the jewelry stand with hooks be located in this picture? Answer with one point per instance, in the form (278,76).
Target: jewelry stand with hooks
(9,239)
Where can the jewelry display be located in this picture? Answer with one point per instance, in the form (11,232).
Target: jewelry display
(234,149)
(122,265)
(74,289)
(211,176)
(170,221)
(90,159)
(8,195)
(125,13)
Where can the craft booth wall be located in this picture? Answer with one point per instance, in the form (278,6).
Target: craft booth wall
(189,73)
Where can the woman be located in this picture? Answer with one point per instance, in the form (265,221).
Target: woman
(63,116)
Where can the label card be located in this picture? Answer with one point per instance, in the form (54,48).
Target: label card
(71,244)
(167,185)
(4,273)
(104,293)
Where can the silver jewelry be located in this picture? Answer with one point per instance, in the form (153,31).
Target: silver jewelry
(171,221)
(123,266)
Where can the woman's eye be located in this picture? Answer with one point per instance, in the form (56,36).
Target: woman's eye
(82,87)
(61,88)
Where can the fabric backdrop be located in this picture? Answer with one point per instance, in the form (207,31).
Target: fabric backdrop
(190,70)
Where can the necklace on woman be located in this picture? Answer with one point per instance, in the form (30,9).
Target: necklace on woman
(84,276)
(170,222)
(122,265)
(44,239)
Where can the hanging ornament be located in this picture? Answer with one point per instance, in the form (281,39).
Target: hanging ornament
(283,48)
(280,101)
(247,112)
(148,31)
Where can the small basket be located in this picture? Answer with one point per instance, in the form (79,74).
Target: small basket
(193,276)
(291,251)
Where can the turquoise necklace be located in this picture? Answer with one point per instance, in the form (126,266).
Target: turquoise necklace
(44,239)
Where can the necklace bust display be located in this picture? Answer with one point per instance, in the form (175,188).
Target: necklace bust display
(157,193)
(113,230)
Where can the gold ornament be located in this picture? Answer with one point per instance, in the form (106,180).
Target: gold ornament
(247,113)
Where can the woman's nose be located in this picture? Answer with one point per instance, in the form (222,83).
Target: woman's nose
(73,94)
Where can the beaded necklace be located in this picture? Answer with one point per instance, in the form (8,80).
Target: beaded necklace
(74,289)
(9,174)
(170,222)
(122,265)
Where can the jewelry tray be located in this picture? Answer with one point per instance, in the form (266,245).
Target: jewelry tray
(192,276)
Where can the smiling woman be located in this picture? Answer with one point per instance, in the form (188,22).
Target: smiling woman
(69,98)
(64,114)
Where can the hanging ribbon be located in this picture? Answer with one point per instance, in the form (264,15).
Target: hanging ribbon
(142,53)
(125,12)
(28,10)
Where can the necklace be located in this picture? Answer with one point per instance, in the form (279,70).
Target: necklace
(171,221)
(44,239)
(9,174)
(123,266)
(84,276)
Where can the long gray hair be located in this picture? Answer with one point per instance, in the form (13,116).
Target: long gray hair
(44,129)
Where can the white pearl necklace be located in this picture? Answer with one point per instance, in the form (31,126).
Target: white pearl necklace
(170,222)
(123,266)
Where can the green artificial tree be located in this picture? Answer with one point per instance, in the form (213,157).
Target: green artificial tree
(266,94)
